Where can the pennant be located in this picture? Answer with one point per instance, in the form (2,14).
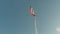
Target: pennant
(32,12)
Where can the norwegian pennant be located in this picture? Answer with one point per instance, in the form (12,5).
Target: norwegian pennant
(32,12)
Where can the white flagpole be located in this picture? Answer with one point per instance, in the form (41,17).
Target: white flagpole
(36,32)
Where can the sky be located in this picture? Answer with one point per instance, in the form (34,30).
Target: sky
(16,19)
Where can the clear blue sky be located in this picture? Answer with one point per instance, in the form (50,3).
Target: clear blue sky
(16,19)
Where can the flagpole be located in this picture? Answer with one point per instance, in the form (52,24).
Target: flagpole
(36,32)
